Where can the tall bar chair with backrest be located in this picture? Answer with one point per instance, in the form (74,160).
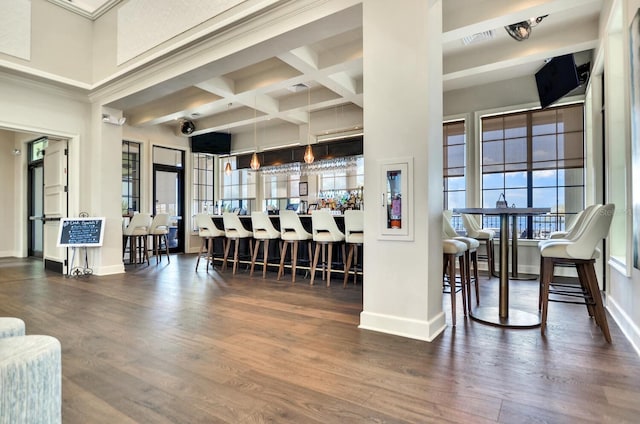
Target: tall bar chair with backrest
(325,234)
(235,232)
(582,251)
(292,232)
(158,231)
(452,250)
(208,231)
(483,235)
(354,238)
(135,234)
(470,255)
(263,231)
(574,232)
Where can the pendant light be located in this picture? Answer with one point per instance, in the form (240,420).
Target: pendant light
(255,162)
(227,167)
(308,152)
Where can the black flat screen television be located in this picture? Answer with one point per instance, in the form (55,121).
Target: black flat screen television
(556,79)
(214,143)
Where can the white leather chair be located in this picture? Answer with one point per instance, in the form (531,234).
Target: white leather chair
(470,255)
(582,252)
(235,232)
(354,238)
(292,232)
(325,234)
(158,231)
(208,232)
(484,236)
(135,234)
(263,231)
(451,250)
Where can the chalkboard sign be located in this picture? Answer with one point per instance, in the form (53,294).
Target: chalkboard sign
(81,232)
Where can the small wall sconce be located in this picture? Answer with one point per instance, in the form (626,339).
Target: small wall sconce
(16,152)
(108,119)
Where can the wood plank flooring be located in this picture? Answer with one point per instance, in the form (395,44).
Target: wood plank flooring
(166,344)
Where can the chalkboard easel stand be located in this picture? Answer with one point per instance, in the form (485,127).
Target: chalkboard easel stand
(79,271)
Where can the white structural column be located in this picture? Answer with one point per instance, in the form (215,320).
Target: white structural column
(403,118)
(102,170)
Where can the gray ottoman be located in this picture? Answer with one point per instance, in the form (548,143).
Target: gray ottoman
(30,380)
(10,327)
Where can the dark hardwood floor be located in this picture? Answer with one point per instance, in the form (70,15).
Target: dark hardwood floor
(166,344)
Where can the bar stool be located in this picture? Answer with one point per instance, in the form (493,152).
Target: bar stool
(581,252)
(135,234)
(208,231)
(451,250)
(292,233)
(354,237)
(158,231)
(263,231)
(483,235)
(235,231)
(471,255)
(325,233)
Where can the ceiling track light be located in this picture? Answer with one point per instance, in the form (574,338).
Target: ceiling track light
(520,31)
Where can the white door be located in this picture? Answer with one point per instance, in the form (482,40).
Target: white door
(55,203)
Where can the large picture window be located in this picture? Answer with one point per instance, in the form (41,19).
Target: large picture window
(536,159)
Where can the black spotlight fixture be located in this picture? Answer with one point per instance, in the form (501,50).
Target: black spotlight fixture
(521,30)
(187,127)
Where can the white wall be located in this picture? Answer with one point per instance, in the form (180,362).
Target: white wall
(8,247)
(623,290)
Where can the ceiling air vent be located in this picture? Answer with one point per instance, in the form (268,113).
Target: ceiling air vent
(477,38)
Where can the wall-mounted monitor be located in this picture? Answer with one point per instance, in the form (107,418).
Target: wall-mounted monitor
(214,143)
(556,79)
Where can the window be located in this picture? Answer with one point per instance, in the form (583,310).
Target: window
(36,149)
(238,189)
(203,201)
(281,190)
(536,159)
(453,150)
(130,177)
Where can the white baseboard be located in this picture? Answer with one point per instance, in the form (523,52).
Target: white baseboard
(629,329)
(404,327)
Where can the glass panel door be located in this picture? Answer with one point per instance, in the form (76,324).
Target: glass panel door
(168,197)
(36,211)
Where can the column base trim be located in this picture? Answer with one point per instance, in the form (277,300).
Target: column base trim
(403,327)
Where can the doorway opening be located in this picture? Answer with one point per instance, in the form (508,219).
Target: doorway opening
(168,193)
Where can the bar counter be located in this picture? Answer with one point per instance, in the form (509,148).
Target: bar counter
(273,261)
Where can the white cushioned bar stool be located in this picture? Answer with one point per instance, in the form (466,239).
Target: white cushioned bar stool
(158,231)
(135,234)
(471,255)
(292,232)
(235,232)
(451,250)
(484,236)
(354,238)
(325,234)
(263,231)
(208,231)
(582,252)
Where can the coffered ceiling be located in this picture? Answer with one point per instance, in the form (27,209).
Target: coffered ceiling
(269,82)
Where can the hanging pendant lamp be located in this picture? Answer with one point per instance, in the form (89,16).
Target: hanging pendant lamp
(227,168)
(255,162)
(308,152)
